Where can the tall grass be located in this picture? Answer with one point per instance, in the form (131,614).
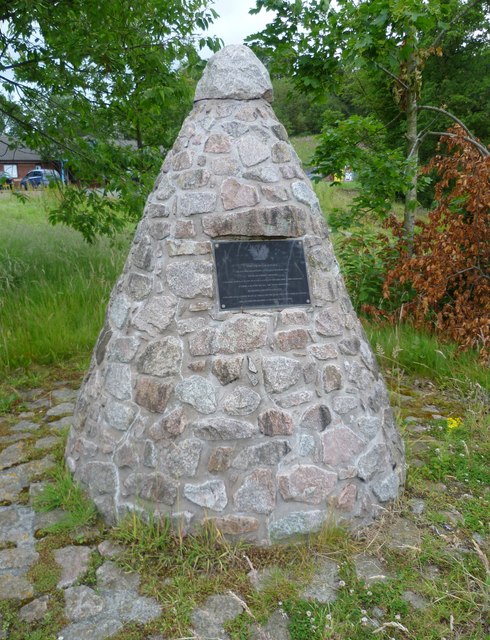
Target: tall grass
(53,286)
(415,352)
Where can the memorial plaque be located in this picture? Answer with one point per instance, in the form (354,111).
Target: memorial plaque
(263,273)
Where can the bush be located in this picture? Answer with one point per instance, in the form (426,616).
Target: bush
(448,269)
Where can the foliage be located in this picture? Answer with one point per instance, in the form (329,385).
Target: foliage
(450,266)
(103,87)
(365,255)
(298,113)
(360,144)
(319,43)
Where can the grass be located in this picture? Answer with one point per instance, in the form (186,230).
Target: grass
(417,353)
(63,493)
(53,286)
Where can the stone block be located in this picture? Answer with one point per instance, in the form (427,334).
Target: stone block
(271,222)
(275,423)
(184,229)
(297,523)
(194,179)
(183,458)
(203,342)
(306,483)
(236,194)
(170,426)
(257,493)
(139,286)
(234,74)
(153,394)
(234,525)
(292,339)
(197,392)
(155,487)
(344,404)
(224,429)
(328,323)
(123,349)
(252,150)
(182,160)
(265,454)
(161,358)
(118,381)
(217,143)
(198,202)
(294,399)
(281,152)
(242,335)
(323,351)
(375,459)
(241,401)
(316,418)
(264,173)
(210,494)
(156,315)
(189,279)
(220,459)
(340,445)
(225,167)
(275,193)
(332,378)
(280,373)
(187,248)
(227,369)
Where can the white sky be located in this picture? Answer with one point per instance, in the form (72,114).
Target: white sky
(235,23)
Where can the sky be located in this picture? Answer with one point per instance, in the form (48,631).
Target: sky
(235,23)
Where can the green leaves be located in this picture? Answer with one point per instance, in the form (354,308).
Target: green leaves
(105,85)
(359,143)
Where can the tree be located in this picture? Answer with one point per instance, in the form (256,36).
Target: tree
(319,42)
(103,86)
(449,271)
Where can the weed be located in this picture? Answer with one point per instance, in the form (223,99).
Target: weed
(64,493)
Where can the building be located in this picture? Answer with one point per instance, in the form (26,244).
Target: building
(17,161)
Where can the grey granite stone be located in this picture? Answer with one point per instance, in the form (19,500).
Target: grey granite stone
(197,392)
(210,494)
(74,562)
(234,73)
(323,587)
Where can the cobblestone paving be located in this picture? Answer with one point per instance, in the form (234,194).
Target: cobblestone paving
(99,607)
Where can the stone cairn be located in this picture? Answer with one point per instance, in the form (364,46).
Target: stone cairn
(262,421)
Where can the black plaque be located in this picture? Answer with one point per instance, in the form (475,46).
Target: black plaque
(263,273)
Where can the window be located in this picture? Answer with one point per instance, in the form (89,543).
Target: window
(11,169)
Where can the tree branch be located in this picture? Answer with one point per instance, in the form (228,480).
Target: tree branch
(392,75)
(459,15)
(448,114)
(29,125)
(484,152)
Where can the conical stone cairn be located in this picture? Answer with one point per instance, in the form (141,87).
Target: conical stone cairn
(232,382)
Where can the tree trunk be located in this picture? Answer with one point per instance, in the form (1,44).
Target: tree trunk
(413,163)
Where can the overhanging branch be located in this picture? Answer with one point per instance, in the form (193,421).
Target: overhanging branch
(484,152)
(447,114)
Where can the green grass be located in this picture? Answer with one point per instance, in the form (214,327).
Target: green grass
(415,352)
(305,148)
(63,493)
(53,286)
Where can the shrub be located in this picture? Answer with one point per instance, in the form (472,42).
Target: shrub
(450,265)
